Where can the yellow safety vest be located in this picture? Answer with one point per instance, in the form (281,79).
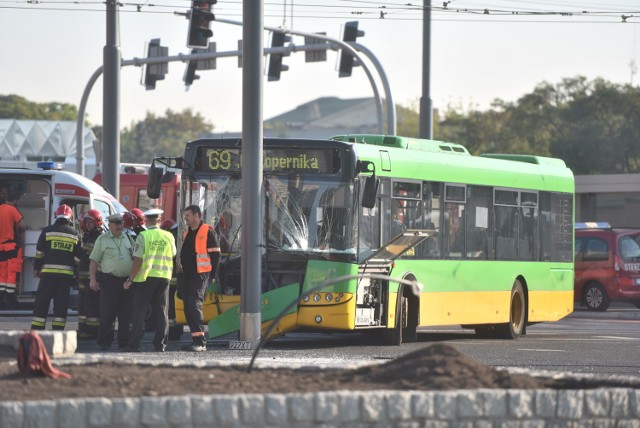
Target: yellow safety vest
(157,261)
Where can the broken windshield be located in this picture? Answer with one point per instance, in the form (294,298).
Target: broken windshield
(301,214)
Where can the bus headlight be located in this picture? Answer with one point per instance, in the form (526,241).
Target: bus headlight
(318,319)
(316,298)
(329,297)
(305,298)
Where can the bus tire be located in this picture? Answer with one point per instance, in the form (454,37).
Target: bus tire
(517,314)
(393,336)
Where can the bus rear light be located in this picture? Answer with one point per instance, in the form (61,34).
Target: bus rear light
(306,299)
(318,319)
(316,298)
(329,297)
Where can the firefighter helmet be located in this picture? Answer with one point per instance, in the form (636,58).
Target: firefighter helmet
(138,216)
(168,224)
(94,215)
(127,220)
(65,212)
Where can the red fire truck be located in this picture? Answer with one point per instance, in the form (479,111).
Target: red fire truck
(133,190)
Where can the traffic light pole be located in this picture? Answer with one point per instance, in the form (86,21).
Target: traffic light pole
(353,50)
(138,62)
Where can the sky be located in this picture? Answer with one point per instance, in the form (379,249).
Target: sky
(50,48)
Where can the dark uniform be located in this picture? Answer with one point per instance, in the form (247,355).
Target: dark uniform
(88,299)
(196,278)
(58,254)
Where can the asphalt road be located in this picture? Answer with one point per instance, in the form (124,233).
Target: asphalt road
(585,342)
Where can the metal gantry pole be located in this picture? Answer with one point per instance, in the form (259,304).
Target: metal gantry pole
(252,133)
(426,105)
(111,103)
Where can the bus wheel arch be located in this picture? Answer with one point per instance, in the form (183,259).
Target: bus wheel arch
(406,316)
(411,312)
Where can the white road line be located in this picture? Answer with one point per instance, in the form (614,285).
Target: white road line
(543,350)
(617,337)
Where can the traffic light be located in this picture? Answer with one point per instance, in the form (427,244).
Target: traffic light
(351,33)
(275,60)
(190,73)
(155,72)
(199,23)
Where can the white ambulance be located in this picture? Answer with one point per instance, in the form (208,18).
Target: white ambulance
(41,192)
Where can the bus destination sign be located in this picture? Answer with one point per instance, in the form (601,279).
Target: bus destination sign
(321,161)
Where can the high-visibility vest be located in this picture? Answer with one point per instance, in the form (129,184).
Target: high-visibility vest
(203,261)
(157,260)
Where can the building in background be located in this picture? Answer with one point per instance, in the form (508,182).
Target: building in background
(321,118)
(24,143)
(614,198)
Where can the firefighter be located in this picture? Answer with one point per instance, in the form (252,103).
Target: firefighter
(139,221)
(175,330)
(58,253)
(128,222)
(12,233)
(88,299)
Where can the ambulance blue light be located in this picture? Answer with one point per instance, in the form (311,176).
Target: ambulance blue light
(593,225)
(47,165)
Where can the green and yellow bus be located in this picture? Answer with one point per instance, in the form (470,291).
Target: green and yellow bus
(489,238)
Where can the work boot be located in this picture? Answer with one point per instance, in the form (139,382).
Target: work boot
(198,344)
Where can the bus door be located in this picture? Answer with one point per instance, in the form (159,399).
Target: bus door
(374,296)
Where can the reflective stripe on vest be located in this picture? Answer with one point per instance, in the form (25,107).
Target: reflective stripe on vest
(60,269)
(157,260)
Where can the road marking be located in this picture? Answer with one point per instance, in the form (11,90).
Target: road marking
(616,337)
(543,350)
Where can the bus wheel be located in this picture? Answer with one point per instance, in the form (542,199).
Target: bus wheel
(517,311)
(393,336)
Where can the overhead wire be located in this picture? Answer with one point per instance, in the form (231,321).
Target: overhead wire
(366,9)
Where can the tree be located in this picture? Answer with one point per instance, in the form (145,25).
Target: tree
(165,136)
(601,135)
(17,107)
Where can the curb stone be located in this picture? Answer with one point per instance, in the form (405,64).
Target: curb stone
(58,343)
(483,407)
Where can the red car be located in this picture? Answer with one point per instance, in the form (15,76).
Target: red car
(607,265)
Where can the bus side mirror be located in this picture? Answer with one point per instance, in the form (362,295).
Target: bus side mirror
(370,191)
(154,181)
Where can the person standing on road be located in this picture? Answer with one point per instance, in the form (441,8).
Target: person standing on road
(58,254)
(139,221)
(175,329)
(199,258)
(88,299)
(149,277)
(12,233)
(113,254)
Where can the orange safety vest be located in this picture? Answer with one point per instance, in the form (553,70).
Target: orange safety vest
(203,261)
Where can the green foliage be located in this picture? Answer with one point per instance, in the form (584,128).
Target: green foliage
(165,135)
(591,125)
(16,107)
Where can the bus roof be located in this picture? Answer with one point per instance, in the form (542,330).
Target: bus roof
(404,143)
(409,157)
(418,159)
